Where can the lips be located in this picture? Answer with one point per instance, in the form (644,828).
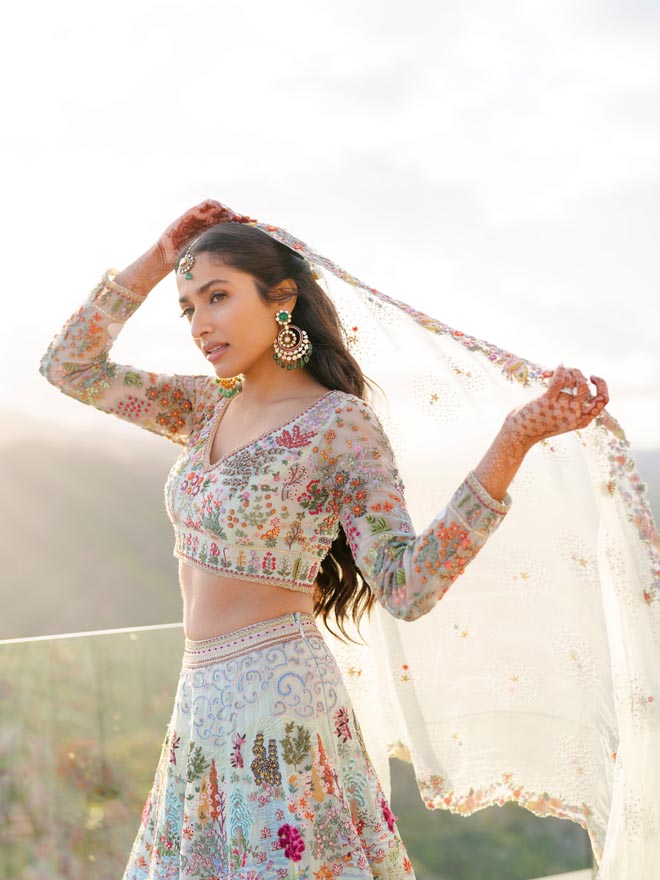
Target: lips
(212,352)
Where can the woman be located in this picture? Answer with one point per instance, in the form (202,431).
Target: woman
(287,505)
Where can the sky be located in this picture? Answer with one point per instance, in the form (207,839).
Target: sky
(495,165)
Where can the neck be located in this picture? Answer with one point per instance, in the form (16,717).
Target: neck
(266,382)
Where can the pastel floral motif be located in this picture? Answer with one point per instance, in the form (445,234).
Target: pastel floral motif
(174,745)
(174,408)
(499,792)
(388,815)
(192,484)
(291,842)
(342,728)
(236,758)
(314,497)
(295,438)
(271,534)
(269,563)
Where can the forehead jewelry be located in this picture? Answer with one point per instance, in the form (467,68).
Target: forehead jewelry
(187,261)
(292,346)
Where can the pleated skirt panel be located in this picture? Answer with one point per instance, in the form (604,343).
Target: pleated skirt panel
(263,773)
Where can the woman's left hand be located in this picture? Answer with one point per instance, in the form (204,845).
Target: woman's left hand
(567,404)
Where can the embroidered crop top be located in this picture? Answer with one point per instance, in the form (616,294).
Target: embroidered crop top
(270,510)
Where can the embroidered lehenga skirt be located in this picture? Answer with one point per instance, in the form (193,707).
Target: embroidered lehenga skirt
(263,773)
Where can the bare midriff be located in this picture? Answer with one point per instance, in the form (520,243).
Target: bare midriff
(215,605)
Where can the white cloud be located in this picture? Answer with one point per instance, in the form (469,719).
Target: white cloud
(498,166)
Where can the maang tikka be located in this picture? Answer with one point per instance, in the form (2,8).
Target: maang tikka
(187,261)
(292,346)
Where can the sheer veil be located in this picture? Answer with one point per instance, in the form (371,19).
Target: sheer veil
(536,679)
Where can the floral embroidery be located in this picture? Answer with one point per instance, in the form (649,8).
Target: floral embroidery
(77,362)
(294,438)
(271,510)
(172,406)
(341,724)
(174,745)
(291,842)
(236,759)
(309,802)
(501,791)
(265,768)
(389,816)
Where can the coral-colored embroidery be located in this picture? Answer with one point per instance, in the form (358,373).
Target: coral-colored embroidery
(271,510)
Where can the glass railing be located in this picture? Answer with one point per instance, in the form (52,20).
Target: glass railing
(82,721)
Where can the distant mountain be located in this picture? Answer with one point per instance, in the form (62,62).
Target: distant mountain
(86,541)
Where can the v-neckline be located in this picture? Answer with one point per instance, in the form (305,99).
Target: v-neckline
(217,419)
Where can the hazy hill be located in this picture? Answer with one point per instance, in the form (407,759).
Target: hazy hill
(86,541)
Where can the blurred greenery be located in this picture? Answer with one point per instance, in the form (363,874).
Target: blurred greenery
(82,723)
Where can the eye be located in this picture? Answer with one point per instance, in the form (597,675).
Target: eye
(187,312)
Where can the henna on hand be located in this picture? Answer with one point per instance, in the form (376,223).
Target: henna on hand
(566,405)
(191,224)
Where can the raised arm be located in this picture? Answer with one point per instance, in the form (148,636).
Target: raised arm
(409,573)
(77,360)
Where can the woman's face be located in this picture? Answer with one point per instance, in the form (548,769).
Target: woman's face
(226,313)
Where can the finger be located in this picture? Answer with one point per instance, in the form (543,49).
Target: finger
(557,382)
(589,415)
(577,374)
(601,388)
(211,205)
(583,391)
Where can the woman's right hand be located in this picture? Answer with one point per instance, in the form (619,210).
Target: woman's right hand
(143,274)
(191,224)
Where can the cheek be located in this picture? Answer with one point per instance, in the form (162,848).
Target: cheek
(262,325)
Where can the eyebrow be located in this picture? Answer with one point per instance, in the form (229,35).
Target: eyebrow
(202,290)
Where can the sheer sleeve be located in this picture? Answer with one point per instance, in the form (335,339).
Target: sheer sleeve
(409,573)
(77,362)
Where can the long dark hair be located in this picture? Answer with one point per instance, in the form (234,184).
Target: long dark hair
(339,584)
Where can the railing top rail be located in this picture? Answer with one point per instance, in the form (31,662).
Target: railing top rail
(95,632)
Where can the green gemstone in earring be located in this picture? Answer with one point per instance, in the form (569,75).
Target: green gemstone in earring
(188,276)
(283,316)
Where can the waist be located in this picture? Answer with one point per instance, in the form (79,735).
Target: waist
(293,569)
(214,604)
(264,634)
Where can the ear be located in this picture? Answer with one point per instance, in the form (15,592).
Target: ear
(288,286)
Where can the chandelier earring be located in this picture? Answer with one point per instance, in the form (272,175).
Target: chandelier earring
(292,346)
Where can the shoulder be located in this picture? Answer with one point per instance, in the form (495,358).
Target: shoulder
(355,416)
(350,405)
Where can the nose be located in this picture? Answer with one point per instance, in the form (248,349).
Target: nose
(200,324)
